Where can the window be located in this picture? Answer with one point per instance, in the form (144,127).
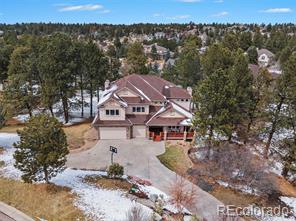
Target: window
(174,129)
(186,100)
(182,99)
(139,109)
(112,112)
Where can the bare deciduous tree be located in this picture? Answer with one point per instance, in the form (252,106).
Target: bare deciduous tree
(182,195)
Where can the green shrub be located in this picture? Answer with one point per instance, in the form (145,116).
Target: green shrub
(115,170)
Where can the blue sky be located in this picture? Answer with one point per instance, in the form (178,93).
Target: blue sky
(152,11)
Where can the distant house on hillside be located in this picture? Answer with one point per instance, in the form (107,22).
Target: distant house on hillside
(265,58)
(1,87)
(144,106)
(162,52)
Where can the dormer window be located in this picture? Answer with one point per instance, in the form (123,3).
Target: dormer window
(138,109)
(112,112)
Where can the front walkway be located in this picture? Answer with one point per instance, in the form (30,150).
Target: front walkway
(8,213)
(138,156)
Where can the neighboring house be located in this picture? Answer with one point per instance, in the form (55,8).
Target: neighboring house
(274,71)
(162,52)
(265,58)
(144,106)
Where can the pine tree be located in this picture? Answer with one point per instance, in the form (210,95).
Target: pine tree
(253,55)
(41,152)
(136,59)
(22,90)
(213,106)
(284,93)
(188,65)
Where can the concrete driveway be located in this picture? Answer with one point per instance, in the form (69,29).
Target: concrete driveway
(138,156)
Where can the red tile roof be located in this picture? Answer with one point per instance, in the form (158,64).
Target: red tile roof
(138,119)
(152,87)
(161,121)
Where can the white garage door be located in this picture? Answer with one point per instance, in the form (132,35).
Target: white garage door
(110,133)
(139,131)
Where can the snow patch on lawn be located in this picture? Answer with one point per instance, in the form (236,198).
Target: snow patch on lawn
(98,204)
(7,139)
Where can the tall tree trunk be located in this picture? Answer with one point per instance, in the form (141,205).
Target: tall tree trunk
(51,111)
(65,109)
(91,100)
(273,126)
(210,141)
(82,96)
(45,174)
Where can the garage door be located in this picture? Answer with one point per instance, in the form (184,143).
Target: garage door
(110,133)
(139,131)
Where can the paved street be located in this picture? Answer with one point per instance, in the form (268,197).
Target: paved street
(138,156)
(3,217)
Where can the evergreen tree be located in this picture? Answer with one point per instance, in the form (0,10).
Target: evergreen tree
(5,53)
(188,65)
(231,41)
(22,88)
(216,57)
(57,66)
(136,59)
(259,98)
(284,92)
(213,106)
(95,67)
(253,55)
(258,40)
(41,152)
(245,40)
(241,83)
(154,52)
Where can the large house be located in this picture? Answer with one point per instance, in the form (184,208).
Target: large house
(144,106)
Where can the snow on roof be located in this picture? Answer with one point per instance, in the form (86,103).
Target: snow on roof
(120,100)
(107,94)
(162,109)
(186,122)
(181,110)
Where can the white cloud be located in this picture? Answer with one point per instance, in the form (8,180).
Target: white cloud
(189,1)
(277,10)
(219,1)
(88,7)
(221,14)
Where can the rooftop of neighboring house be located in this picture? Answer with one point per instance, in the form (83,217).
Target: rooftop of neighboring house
(266,52)
(275,70)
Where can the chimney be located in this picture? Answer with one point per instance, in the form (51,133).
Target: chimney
(107,84)
(189,90)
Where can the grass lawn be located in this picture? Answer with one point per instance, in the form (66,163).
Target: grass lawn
(175,157)
(111,184)
(75,133)
(45,201)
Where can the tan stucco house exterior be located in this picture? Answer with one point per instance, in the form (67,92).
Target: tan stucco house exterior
(144,106)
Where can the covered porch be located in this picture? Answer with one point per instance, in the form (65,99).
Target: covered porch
(158,133)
